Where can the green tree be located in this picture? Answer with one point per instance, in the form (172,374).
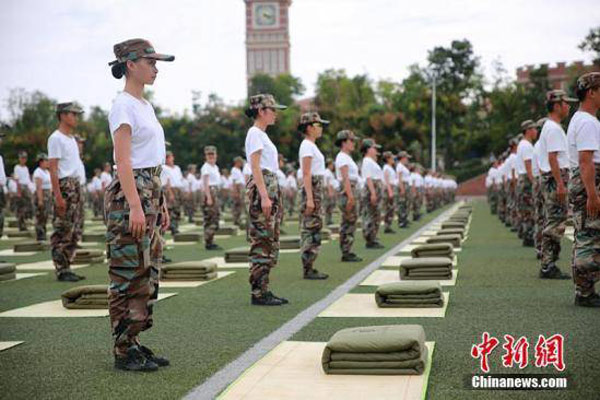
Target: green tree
(591,43)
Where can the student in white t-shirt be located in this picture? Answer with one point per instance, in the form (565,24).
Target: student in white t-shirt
(97,193)
(106,176)
(64,158)
(43,196)
(583,138)
(390,187)
(554,166)
(372,173)
(283,186)
(238,184)
(133,200)
(525,182)
(79,224)
(346,172)
(188,192)
(172,181)
(329,192)
(404,190)
(265,208)
(312,163)
(23,198)
(3,189)
(292,186)
(211,179)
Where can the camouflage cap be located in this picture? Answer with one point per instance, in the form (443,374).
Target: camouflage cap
(80,139)
(169,154)
(387,154)
(540,122)
(559,95)
(42,156)
(238,158)
(22,154)
(133,49)
(282,157)
(264,101)
(368,143)
(70,106)
(346,134)
(210,150)
(587,81)
(191,167)
(528,124)
(311,118)
(403,154)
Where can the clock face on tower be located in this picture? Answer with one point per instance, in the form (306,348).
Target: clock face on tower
(266,15)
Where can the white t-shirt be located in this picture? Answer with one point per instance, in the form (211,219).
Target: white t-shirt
(21,174)
(524,153)
(172,176)
(510,166)
(553,139)
(401,170)
(370,169)
(342,159)
(583,134)
(237,178)
(535,160)
(147,135)
(416,179)
(64,148)
(212,171)
(96,184)
(291,182)
(389,173)
(2,173)
(105,178)
(247,171)
(281,179)
(12,186)
(44,175)
(81,174)
(317,164)
(258,140)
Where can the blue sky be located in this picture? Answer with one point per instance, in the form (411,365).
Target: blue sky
(62,47)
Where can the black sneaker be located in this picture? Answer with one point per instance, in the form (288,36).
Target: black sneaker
(68,277)
(149,354)
(374,245)
(313,274)
(528,242)
(283,299)
(351,257)
(135,360)
(587,301)
(266,300)
(389,230)
(553,272)
(80,277)
(403,226)
(213,246)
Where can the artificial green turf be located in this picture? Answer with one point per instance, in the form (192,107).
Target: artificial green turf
(200,330)
(497,291)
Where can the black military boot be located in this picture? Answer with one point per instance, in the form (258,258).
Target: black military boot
(69,276)
(135,360)
(149,354)
(374,245)
(351,257)
(528,242)
(283,299)
(213,246)
(313,274)
(587,301)
(551,271)
(266,299)
(389,230)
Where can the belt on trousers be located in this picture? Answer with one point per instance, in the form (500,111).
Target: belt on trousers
(68,178)
(154,171)
(560,171)
(266,172)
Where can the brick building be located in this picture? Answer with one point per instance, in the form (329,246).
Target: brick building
(560,76)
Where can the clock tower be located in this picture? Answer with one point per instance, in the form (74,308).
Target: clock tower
(267,37)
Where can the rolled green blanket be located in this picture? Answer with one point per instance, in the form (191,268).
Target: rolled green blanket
(459,218)
(187,237)
(190,266)
(86,297)
(93,237)
(189,277)
(12,224)
(454,240)
(409,295)
(451,231)
(18,234)
(453,225)
(289,242)
(92,260)
(7,268)
(325,234)
(88,253)
(376,350)
(430,268)
(433,250)
(237,255)
(30,246)
(334,228)
(227,230)
(8,276)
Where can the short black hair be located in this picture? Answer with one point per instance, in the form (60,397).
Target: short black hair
(251,113)
(302,128)
(118,70)
(581,93)
(550,105)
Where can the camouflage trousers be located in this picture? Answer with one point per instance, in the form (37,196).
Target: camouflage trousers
(211,214)
(402,205)
(525,210)
(2,207)
(64,241)
(188,205)
(429,200)
(263,232)
(311,225)
(42,212)
(502,203)
(24,205)
(389,207)
(349,218)
(79,223)
(538,214)
(330,202)
(371,214)
(555,216)
(174,207)
(237,207)
(98,203)
(133,264)
(417,203)
(291,201)
(493,199)
(511,205)
(586,247)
